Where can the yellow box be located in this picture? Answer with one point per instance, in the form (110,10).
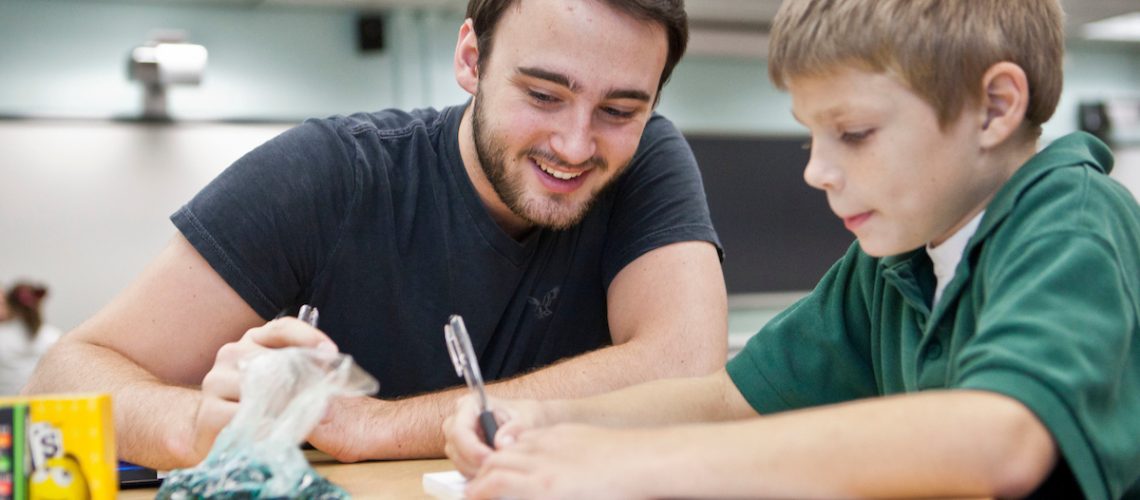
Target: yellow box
(71,446)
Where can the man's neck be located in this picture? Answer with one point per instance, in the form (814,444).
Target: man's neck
(510,222)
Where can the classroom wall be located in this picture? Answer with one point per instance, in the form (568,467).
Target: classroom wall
(84,204)
(67,58)
(85,191)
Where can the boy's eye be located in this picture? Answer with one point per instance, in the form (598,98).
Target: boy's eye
(855,137)
(617,113)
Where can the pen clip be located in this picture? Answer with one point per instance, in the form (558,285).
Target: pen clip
(309,314)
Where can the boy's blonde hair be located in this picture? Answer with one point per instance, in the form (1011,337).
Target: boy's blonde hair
(939,48)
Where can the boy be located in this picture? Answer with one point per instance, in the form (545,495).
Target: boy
(979,340)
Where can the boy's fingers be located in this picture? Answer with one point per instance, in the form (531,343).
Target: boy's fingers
(467,460)
(497,484)
(467,404)
(509,433)
(465,445)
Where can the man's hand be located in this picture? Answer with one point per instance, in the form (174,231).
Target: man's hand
(221,388)
(466,445)
(566,461)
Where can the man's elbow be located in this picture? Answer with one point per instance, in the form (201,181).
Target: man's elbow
(61,367)
(41,380)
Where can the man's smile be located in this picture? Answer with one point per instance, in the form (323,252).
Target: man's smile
(560,174)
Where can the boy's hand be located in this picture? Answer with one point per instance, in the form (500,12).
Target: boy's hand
(466,446)
(221,387)
(565,461)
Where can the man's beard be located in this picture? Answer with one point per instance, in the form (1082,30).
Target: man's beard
(550,211)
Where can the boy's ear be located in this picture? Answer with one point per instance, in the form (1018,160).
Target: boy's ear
(1005,99)
(467,58)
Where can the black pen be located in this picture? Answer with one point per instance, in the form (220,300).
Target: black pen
(466,366)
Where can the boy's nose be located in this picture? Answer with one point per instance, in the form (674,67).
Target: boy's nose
(821,174)
(574,141)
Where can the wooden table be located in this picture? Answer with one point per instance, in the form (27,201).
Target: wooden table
(396,480)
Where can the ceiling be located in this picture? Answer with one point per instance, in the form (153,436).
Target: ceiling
(1080,12)
(731,11)
(719,27)
(757,12)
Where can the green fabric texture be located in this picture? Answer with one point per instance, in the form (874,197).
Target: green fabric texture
(1043,307)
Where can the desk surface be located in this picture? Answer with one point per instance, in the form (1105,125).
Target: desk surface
(398,479)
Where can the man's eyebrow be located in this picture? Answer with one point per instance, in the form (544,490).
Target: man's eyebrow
(550,76)
(639,95)
(565,81)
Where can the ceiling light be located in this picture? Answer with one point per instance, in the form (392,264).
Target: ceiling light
(1125,27)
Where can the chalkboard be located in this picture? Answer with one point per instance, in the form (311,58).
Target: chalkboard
(778,233)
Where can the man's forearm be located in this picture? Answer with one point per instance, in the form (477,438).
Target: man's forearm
(604,370)
(153,421)
(710,398)
(410,428)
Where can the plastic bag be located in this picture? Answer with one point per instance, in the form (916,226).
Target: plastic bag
(284,395)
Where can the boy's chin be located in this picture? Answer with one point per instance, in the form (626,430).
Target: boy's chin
(879,248)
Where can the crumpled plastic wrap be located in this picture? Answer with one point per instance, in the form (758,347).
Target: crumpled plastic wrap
(258,456)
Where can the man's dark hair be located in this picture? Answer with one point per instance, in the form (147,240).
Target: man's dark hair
(670,14)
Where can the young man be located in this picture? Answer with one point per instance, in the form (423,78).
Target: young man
(981,339)
(555,212)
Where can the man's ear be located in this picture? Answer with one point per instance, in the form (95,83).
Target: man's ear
(467,58)
(1005,99)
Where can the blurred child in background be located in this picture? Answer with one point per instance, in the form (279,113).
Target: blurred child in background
(23,335)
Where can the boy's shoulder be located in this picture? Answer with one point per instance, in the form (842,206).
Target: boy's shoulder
(1065,187)
(1062,213)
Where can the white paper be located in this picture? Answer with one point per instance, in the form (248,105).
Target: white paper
(447,485)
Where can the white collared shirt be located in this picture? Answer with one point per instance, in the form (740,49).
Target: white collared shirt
(947,255)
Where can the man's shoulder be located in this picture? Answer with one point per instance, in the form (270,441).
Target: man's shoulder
(657,127)
(387,122)
(387,138)
(662,144)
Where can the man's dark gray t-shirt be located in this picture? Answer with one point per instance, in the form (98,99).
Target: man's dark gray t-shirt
(372,219)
